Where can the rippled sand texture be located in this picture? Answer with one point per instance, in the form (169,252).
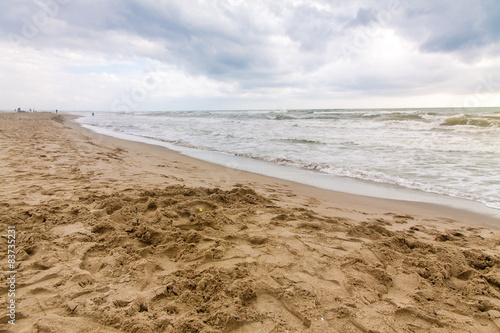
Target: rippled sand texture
(113,237)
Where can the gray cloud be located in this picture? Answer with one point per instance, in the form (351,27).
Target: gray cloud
(460,27)
(261,45)
(363,17)
(313,28)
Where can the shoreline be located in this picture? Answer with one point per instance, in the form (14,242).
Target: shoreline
(471,210)
(120,236)
(425,168)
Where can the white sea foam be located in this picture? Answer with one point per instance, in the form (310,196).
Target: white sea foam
(442,151)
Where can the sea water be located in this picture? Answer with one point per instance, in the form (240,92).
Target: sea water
(451,152)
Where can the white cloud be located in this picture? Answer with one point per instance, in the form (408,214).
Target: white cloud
(250,54)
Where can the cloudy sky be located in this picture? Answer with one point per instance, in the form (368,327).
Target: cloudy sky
(253,54)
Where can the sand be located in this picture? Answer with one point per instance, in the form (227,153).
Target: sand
(117,236)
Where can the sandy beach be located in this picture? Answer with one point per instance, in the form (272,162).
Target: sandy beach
(120,236)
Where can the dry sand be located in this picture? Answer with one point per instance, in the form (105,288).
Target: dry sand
(117,236)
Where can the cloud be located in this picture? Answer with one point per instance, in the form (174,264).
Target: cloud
(239,50)
(363,17)
(459,27)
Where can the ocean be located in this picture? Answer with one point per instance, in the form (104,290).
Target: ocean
(449,152)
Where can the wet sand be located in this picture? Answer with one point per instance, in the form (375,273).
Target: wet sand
(120,236)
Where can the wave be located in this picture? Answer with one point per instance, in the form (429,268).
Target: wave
(406,116)
(362,115)
(302,141)
(469,120)
(380,177)
(280,117)
(420,149)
